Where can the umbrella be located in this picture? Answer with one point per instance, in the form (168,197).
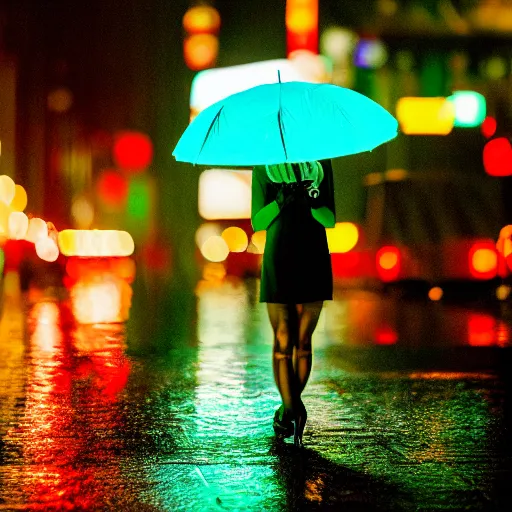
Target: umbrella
(285,122)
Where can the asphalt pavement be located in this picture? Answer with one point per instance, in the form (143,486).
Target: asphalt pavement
(409,407)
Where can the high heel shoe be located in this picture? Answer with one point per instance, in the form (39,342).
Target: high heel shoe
(299,423)
(283,426)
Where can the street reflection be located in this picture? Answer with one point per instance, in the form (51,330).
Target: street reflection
(363,318)
(188,426)
(69,422)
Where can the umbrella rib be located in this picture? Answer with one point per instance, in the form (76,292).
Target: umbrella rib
(281,132)
(214,120)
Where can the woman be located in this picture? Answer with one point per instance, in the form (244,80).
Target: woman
(294,203)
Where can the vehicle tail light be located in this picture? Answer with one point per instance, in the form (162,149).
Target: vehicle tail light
(483,260)
(388,262)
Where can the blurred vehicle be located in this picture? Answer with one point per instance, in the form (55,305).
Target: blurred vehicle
(435,228)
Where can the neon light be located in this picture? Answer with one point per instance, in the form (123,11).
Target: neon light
(425,116)
(470,108)
(212,85)
(95,243)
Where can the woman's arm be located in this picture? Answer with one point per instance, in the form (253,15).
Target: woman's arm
(262,219)
(322,208)
(263,209)
(325,216)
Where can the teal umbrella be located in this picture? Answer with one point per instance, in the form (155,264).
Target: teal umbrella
(285,122)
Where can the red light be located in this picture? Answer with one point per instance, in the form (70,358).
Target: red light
(388,263)
(112,188)
(498,157)
(488,127)
(301,25)
(386,335)
(133,151)
(483,260)
(481,330)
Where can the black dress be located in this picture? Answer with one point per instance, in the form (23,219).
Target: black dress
(296,264)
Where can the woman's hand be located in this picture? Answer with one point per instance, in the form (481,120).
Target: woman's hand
(287,194)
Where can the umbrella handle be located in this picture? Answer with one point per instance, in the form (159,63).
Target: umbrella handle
(313,192)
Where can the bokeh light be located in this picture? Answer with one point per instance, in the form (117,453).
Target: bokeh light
(435,293)
(5,212)
(207,230)
(200,51)
(236,239)
(503,292)
(18,225)
(337,43)
(132,151)
(483,260)
(470,108)
(385,335)
(82,213)
(258,241)
(95,243)
(215,249)
(201,19)
(301,20)
(19,201)
(489,127)
(47,249)
(37,228)
(112,188)
(7,189)
(370,54)
(343,237)
(301,16)
(224,194)
(396,175)
(497,157)
(494,67)
(425,116)
(388,261)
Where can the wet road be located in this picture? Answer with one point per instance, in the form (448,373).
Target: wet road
(409,408)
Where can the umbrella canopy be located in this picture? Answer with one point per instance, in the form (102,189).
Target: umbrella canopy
(285,122)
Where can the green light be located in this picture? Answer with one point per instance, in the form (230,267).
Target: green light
(139,199)
(140,207)
(470,108)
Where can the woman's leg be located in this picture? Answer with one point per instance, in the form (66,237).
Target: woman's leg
(308,320)
(285,323)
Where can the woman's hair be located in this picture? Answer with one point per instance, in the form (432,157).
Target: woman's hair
(293,173)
